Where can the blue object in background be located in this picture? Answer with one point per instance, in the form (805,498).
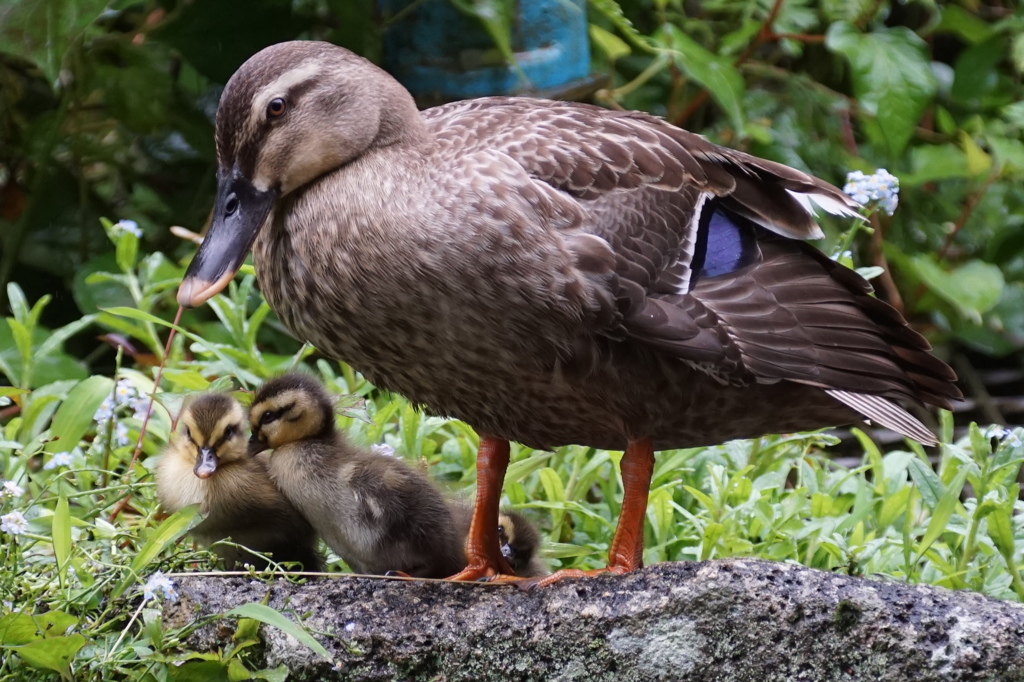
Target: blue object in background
(440,53)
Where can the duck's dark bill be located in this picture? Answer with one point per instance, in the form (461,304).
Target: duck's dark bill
(238,214)
(206,464)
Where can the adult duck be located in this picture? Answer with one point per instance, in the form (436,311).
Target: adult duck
(548,272)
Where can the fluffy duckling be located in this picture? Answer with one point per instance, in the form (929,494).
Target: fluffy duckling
(207,463)
(377,513)
(519,542)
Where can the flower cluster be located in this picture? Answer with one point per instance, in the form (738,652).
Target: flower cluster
(159,585)
(125,395)
(13,523)
(880,189)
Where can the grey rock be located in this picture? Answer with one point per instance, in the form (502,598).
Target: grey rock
(736,620)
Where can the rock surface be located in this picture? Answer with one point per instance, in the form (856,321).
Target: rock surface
(737,620)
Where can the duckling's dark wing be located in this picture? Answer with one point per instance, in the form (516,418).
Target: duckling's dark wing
(696,249)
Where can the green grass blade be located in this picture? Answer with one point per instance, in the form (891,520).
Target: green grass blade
(271,616)
(61,535)
(943,511)
(75,414)
(173,527)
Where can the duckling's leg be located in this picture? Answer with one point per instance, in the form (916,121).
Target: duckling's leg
(627,551)
(485,560)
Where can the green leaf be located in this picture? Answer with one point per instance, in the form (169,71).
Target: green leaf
(613,46)
(270,616)
(943,512)
(973,288)
(716,75)
(1000,527)
(75,414)
(18,628)
(554,489)
(173,527)
(127,251)
(43,30)
(17,301)
(61,536)
(495,17)
(57,337)
(975,70)
(198,671)
(54,653)
(927,482)
(892,80)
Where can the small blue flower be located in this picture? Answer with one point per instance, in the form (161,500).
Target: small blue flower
(121,434)
(141,405)
(128,226)
(59,459)
(879,190)
(124,393)
(105,412)
(159,585)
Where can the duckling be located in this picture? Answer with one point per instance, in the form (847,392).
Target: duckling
(377,513)
(207,462)
(519,542)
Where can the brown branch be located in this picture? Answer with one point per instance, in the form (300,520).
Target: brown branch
(887,289)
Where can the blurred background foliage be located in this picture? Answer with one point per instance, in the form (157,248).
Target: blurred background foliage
(107,109)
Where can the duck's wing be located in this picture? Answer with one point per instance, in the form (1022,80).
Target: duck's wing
(698,248)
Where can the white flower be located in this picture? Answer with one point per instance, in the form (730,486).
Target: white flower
(13,523)
(880,189)
(12,489)
(382,449)
(127,226)
(4,401)
(159,584)
(105,411)
(121,434)
(59,459)
(124,393)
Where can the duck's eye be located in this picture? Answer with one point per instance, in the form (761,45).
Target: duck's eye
(269,416)
(230,431)
(188,434)
(276,108)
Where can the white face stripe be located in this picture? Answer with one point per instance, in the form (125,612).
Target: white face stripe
(279,87)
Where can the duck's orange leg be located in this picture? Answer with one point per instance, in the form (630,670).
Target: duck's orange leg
(485,560)
(627,551)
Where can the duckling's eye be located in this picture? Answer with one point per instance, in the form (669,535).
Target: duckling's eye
(269,416)
(276,108)
(188,434)
(230,431)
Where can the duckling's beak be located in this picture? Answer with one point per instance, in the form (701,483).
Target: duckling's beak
(509,552)
(256,446)
(206,464)
(238,214)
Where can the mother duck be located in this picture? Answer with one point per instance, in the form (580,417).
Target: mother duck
(548,272)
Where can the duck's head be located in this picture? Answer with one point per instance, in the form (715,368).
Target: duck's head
(211,432)
(517,538)
(290,114)
(287,409)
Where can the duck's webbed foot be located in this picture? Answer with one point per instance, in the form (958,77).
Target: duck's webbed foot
(485,560)
(627,550)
